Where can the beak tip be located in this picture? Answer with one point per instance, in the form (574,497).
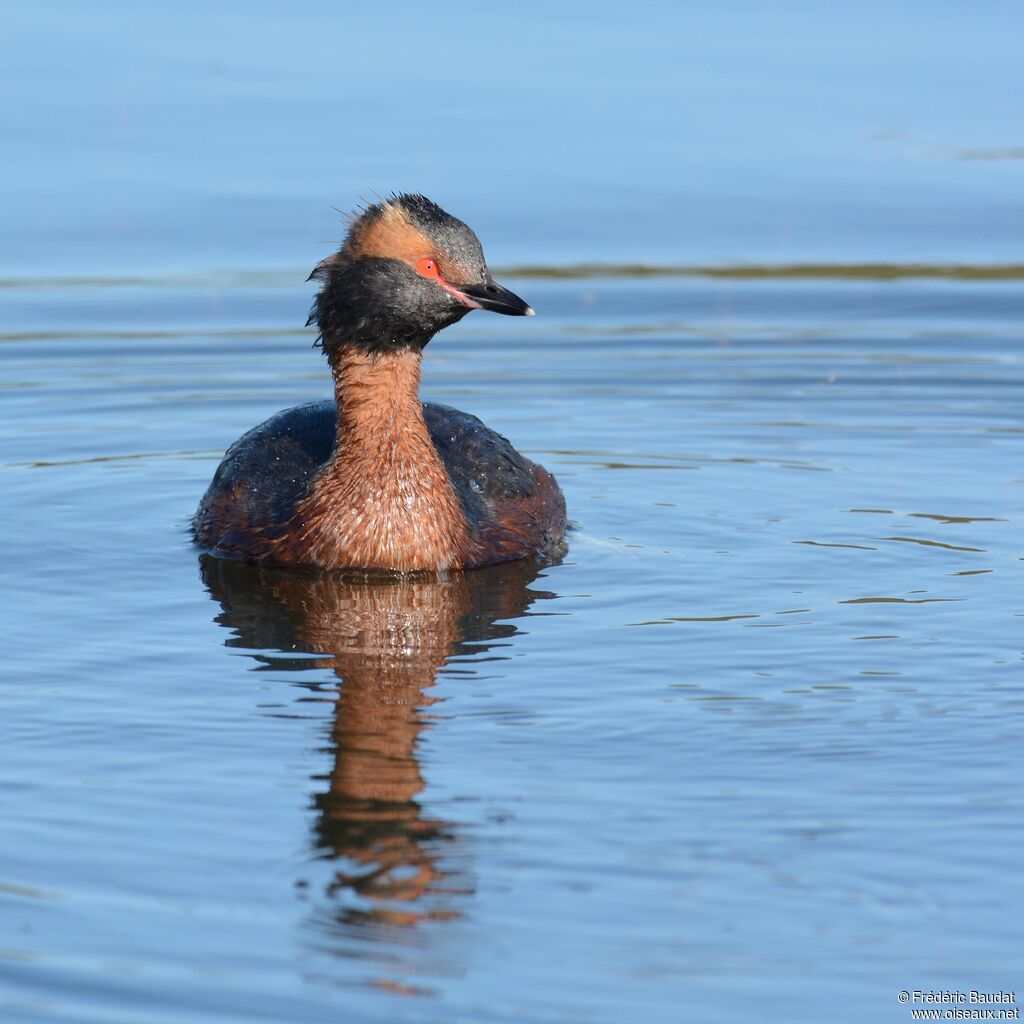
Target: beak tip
(491,296)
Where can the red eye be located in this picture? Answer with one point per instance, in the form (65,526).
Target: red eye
(428,267)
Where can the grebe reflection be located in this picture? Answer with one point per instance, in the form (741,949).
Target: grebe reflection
(385,637)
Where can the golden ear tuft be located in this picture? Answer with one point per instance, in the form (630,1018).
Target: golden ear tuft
(385,231)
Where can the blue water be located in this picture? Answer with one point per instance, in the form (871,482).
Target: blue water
(750,753)
(171,137)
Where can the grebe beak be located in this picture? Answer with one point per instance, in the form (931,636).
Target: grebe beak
(490,295)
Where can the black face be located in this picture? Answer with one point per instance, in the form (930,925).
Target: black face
(378,305)
(381,293)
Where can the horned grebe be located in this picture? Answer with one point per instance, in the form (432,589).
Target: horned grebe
(375,479)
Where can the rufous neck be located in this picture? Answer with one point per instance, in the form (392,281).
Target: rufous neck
(377,393)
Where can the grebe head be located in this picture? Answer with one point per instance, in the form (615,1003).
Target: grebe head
(406,270)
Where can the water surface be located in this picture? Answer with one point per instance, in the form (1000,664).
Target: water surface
(750,748)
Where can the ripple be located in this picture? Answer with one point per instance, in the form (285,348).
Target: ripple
(692,618)
(998,153)
(779,271)
(27,892)
(956,519)
(932,543)
(823,544)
